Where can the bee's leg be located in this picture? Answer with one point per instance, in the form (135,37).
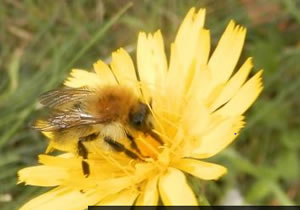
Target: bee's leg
(133,144)
(82,151)
(156,137)
(120,147)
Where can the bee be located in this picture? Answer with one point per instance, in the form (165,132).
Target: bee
(109,113)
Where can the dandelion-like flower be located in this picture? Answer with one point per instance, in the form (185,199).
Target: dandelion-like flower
(197,103)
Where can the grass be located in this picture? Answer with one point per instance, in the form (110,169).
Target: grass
(41,42)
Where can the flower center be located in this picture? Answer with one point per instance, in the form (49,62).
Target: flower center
(148,146)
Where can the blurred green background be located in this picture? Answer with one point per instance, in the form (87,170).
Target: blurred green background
(40,41)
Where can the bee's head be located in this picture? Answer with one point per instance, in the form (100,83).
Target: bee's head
(140,117)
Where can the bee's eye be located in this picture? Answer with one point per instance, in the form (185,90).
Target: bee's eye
(139,115)
(137,119)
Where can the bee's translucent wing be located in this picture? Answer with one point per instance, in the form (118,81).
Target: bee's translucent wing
(64,97)
(67,109)
(59,120)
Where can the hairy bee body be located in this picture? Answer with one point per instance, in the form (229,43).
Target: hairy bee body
(110,114)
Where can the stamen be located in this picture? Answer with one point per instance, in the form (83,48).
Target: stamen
(167,138)
(168,121)
(112,161)
(161,134)
(148,146)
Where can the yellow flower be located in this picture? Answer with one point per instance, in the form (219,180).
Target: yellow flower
(198,105)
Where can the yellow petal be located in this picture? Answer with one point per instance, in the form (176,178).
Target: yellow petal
(49,135)
(174,189)
(185,25)
(174,91)
(227,53)
(233,85)
(39,176)
(149,196)
(200,169)
(104,73)
(80,78)
(63,198)
(65,160)
(187,37)
(200,57)
(202,85)
(244,98)
(216,139)
(189,51)
(196,117)
(123,198)
(123,69)
(151,60)
(203,47)
(50,148)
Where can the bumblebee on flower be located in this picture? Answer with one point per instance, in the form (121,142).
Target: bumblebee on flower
(178,113)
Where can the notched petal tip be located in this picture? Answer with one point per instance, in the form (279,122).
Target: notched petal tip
(80,78)
(39,176)
(123,68)
(190,12)
(217,138)
(230,44)
(142,36)
(104,72)
(233,85)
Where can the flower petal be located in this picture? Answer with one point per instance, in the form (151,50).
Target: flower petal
(187,37)
(233,85)
(123,69)
(216,139)
(200,57)
(174,189)
(174,91)
(39,176)
(202,85)
(200,169)
(203,48)
(151,61)
(80,78)
(196,118)
(62,197)
(227,53)
(188,53)
(244,98)
(149,196)
(123,198)
(64,160)
(104,73)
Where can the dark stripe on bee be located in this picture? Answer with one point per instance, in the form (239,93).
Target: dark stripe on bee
(85,168)
(120,147)
(82,151)
(90,137)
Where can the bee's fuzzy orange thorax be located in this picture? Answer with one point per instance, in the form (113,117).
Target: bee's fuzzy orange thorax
(113,101)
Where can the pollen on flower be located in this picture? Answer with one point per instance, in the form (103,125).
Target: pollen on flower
(148,146)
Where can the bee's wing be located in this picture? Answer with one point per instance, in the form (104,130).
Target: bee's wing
(60,120)
(67,110)
(64,97)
